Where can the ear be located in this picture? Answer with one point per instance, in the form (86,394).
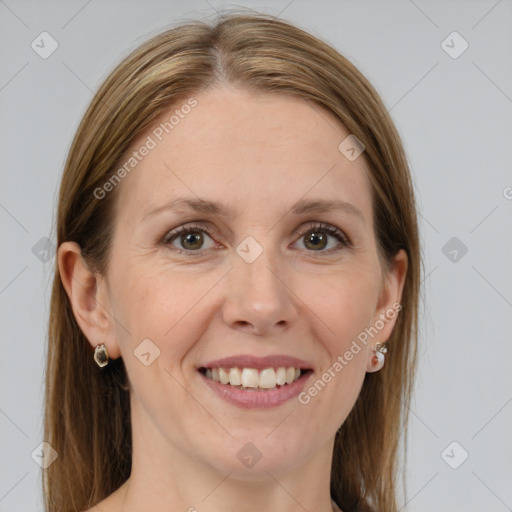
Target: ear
(388,305)
(89,299)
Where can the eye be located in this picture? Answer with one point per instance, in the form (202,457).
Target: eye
(316,237)
(190,238)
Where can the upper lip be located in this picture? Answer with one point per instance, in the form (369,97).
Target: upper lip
(259,363)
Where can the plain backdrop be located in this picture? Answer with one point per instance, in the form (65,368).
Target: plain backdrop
(453,109)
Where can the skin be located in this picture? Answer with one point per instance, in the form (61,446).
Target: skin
(257,154)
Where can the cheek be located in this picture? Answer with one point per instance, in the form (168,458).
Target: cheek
(346,307)
(164,305)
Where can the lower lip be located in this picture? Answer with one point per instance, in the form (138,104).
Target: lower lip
(257,399)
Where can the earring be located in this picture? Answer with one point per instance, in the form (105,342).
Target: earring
(378,357)
(101,355)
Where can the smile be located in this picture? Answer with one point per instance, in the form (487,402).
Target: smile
(251,379)
(248,395)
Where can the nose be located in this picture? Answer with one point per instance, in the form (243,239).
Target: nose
(258,299)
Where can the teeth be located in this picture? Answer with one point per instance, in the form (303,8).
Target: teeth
(250,378)
(224,376)
(268,378)
(281,376)
(235,377)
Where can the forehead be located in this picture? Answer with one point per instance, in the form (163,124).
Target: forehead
(240,148)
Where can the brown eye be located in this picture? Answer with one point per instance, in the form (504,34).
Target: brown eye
(315,240)
(191,240)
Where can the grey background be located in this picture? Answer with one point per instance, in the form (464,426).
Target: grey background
(455,119)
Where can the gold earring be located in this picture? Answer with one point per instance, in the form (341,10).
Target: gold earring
(101,355)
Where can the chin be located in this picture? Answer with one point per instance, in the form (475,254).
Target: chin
(252,456)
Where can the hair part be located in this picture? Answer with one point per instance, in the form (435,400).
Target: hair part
(87,410)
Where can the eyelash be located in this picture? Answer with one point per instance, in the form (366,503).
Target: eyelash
(193,228)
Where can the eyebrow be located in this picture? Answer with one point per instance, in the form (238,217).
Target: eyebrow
(212,207)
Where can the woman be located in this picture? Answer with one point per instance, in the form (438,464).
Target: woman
(237,251)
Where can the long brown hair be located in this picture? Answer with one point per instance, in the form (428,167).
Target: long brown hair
(87,413)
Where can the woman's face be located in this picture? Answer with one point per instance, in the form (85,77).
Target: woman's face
(266,273)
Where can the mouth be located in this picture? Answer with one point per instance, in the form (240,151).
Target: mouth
(253,379)
(251,382)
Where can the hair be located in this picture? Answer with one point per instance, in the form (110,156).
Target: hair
(87,411)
